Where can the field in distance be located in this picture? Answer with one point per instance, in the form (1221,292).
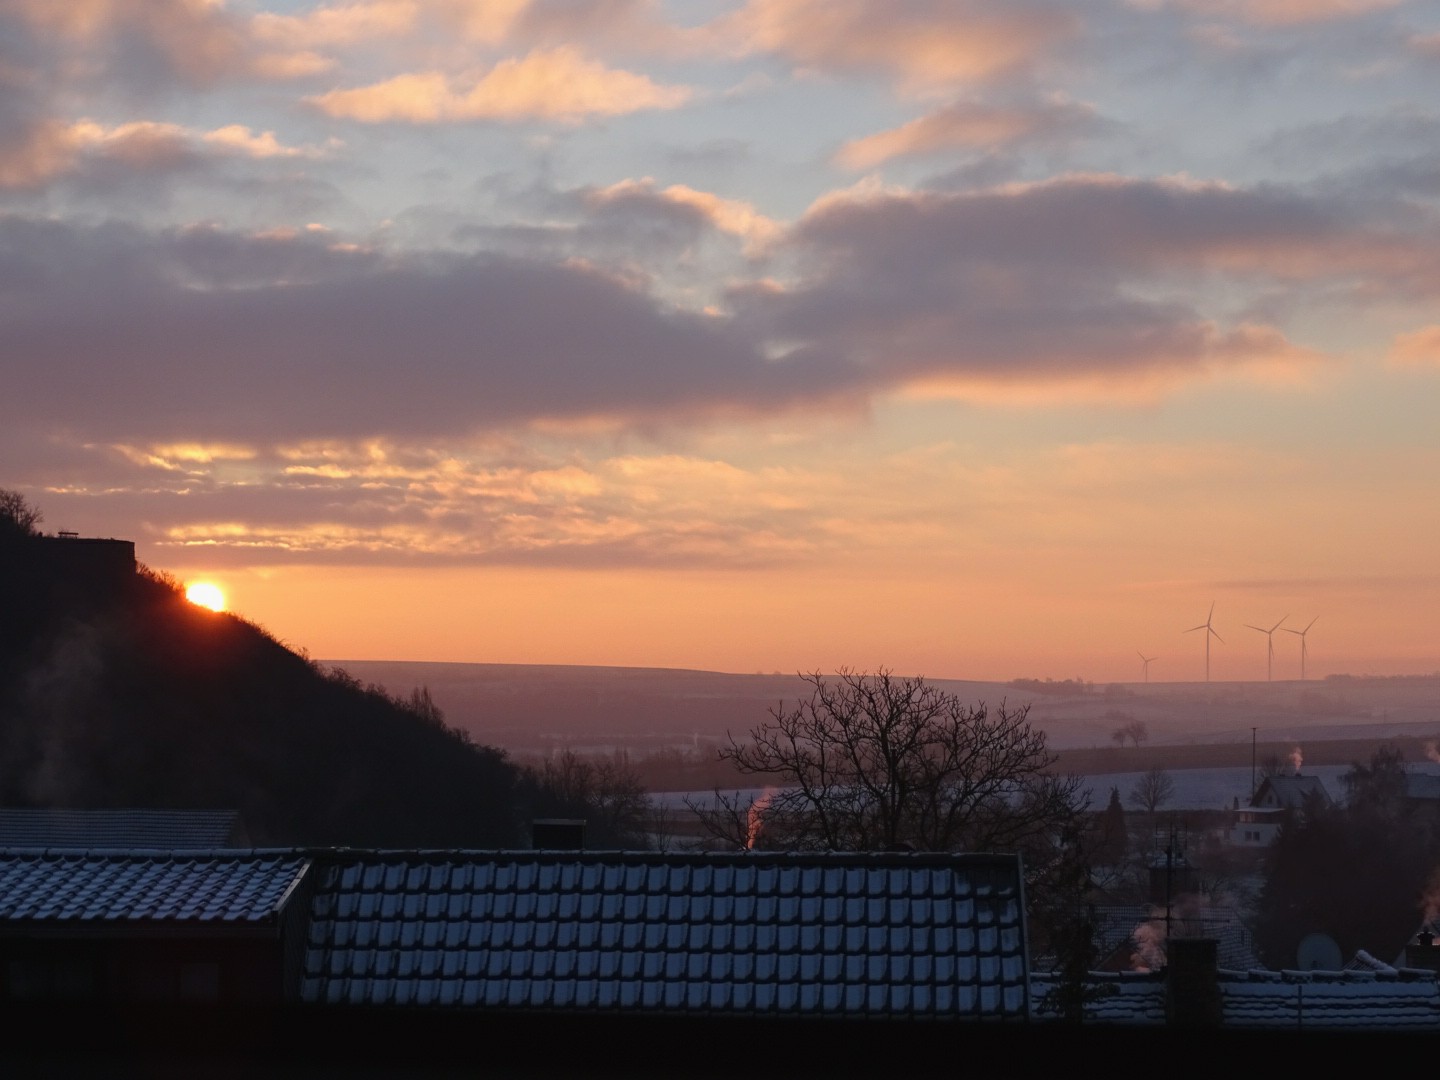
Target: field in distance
(535,709)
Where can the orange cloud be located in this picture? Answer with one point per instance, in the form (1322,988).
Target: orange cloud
(240,139)
(197,38)
(1274,12)
(1256,353)
(140,144)
(1420,348)
(557,84)
(53,148)
(290,65)
(965,125)
(732,216)
(1426,45)
(341,24)
(921,42)
(488,22)
(44,150)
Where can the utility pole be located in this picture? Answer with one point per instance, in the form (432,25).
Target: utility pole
(1252,763)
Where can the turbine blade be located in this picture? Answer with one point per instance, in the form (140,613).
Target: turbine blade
(1217,634)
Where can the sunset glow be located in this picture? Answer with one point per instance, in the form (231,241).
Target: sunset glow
(968,339)
(205,594)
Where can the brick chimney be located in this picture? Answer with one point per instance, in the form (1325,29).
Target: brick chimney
(557,834)
(1192,983)
(1423,951)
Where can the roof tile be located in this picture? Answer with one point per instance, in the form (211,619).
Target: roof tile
(748,933)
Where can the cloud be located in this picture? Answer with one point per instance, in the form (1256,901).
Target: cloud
(1425,45)
(338,24)
(966,125)
(145,44)
(226,336)
(732,216)
(1419,348)
(192,40)
(1110,285)
(239,139)
(487,501)
(558,84)
(922,44)
(141,146)
(34,153)
(1274,12)
(1095,280)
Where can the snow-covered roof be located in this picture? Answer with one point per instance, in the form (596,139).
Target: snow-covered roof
(119,828)
(1398,999)
(1380,999)
(1289,792)
(69,889)
(753,934)
(1420,785)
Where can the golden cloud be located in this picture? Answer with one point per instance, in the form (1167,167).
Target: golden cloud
(733,216)
(1419,348)
(966,125)
(1274,12)
(242,140)
(340,24)
(558,84)
(924,45)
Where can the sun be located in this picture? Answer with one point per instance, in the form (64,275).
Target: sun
(205,594)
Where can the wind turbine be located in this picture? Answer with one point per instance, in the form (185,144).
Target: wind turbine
(1146,660)
(1302,634)
(1269,647)
(1209,632)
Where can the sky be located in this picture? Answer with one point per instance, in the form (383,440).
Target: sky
(964,339)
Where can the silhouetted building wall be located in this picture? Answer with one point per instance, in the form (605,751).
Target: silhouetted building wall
(83,568)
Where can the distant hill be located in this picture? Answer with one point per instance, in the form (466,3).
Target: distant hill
(117,692)
(536,708)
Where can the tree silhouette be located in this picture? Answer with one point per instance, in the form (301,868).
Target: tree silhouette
(1132,730)
(875,762)
(17,517)
(1357,872)
(1153,790)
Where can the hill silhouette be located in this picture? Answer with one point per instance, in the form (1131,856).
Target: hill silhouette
(115,691)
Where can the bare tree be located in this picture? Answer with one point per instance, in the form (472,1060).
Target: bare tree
(877,762)
(1153,790)
(605,792)
(1132,730)
(1271,766)
(17,516)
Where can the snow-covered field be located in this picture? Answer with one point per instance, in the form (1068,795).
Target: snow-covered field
(1195,789)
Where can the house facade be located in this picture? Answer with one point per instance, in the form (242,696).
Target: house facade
(1278,800)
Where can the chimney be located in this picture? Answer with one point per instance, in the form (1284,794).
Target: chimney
(1192,983)
(1423,952)
(557,834)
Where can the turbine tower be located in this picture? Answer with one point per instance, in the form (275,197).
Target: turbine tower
(1302,634)
(1146,660)
(1209,632)
(1269,647)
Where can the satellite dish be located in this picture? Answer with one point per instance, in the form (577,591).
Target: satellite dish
(1318,952)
